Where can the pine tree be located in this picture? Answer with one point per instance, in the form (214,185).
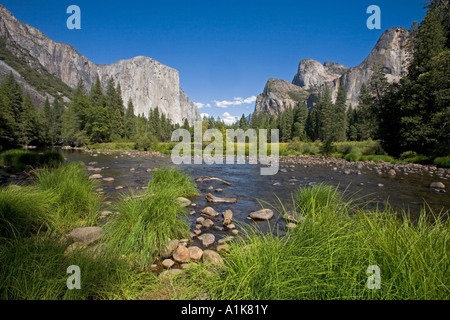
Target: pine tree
(340,116)
(130,121)
(367,120)
(300,118)
(28,122)
(8,126)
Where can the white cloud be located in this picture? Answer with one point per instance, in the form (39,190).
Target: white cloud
(228,119)
(236,102)
(203,115)
(200,105)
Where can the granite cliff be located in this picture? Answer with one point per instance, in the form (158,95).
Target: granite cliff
(390,53)
(147,82)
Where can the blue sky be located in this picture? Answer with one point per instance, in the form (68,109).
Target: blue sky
(225,51)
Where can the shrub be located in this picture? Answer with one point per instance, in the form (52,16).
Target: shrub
(352,157)
(443,162)
(146,142)
(295,145)
(376,158)
(349,149)
(327,147)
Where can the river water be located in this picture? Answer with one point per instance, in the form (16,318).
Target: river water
(408,190)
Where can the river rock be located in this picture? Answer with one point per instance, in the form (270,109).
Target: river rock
(75,246)
(225,240)
(392,173)
(293,217)
(195,253)
(200,220)
(231,226)
(437,185)
(182,254)
(184,202)
(95,176)
(207,239)
(210,212)
(170,273)
(227,217)
(291,226)
(210,198)
(223,247)
(86,235)
(212,257)
(168,263)
(265,214)
(208,223)
(108,179)
(170,248)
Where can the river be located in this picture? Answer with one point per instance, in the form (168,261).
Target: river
(409,189)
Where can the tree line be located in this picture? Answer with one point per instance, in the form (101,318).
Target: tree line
(95,117)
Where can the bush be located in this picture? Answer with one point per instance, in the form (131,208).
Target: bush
(295,145)
(352,157)
(327,147)
(146,142)
(376,158)
(443,162)
(349,149)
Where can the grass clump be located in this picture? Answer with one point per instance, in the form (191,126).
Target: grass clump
(145,224)
(172,181)
(327,256)
(76,204)
(23,211)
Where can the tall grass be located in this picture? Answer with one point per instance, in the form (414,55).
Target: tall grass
(172,181)
(76,204)
(327,256)
(24,210)
(145,225)
(35,269)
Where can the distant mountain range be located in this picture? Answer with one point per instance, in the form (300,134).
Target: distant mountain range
(45,68)
(390,53)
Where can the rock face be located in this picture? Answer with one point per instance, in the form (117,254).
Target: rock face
(278,96)
(390,53)
(147,82)
(312,73)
